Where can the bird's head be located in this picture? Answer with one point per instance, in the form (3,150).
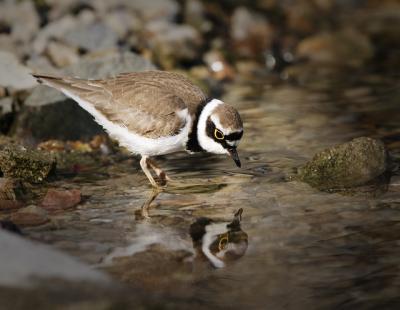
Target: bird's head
(220,129)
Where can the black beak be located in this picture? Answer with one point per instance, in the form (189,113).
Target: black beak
(235,156)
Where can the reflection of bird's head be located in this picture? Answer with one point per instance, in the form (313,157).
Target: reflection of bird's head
(219,241)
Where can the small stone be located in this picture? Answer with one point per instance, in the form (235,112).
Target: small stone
(347,47)
(62,55)
(30,165)
(22,18)
(96,36)
(11,192)
(218,65)
(30,216)
(13,74)
(347,165)
(172,43)
(57,199)
(154,9)
(251,33)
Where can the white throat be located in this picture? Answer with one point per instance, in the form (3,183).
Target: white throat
(205,141)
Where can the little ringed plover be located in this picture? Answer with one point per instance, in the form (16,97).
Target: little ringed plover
(154,113)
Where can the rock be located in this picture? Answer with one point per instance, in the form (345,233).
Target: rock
(172,43)
(30,165)
(65,120)
(55,29)
(251,33)
(12,13)
(11,191)
(59,199)
(6,114)
(154,9)
(195,15)
(13,75)
(10,226)
(30,216)
(348,47)
(95,36)
(24,262)
(218,65)
(123,22)
(347,165)
(62,55)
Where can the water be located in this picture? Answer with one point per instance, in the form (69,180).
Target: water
(306,248)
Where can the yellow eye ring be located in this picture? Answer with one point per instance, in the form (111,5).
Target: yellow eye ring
(223,242)
(218,134)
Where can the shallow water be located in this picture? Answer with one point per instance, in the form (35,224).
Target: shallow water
(306,248)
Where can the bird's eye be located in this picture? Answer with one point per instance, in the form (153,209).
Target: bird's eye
(218,134)
(223,242)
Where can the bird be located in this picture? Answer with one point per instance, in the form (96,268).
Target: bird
(155,113)
(219,241)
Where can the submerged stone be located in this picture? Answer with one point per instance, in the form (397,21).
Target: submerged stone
(58,199)
(30,216)
(347,165)
(29,165)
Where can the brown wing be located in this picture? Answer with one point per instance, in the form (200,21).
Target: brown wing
(142,102)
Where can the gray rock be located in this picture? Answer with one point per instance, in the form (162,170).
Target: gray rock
(154,9)
(24,262)
(22,18)
(13,74)
(48,114)
(91,37)
(172,43)
(347,165)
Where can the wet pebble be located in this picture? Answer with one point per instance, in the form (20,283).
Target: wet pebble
(30,216)
(60,199)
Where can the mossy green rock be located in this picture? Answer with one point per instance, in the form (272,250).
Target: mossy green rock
(29,165)
(347,165)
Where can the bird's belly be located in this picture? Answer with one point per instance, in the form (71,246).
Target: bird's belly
(138,144)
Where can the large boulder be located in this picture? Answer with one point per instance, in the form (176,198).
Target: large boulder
(347,165)
(48,114)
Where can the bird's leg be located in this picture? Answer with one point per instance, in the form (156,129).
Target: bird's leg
(160,173)
(145,168)
(145,207)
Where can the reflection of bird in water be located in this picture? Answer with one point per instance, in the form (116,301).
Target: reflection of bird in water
(219,242)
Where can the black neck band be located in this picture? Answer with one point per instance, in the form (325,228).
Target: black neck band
(192,144)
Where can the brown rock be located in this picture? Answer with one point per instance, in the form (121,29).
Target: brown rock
(30,216)
(60,199)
